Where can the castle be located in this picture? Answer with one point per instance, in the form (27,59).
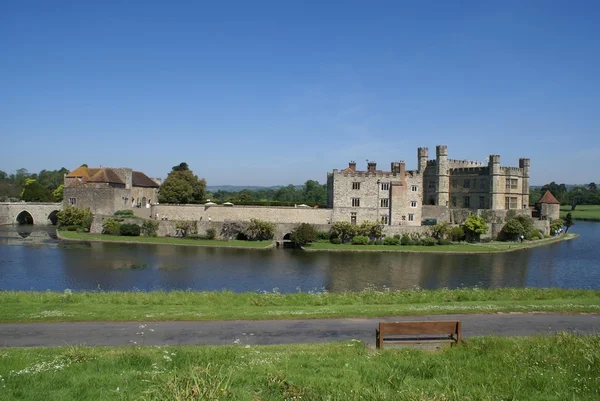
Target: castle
(401,197)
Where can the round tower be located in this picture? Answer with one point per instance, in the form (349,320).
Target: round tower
(524,165)
(496,197)
(422,157)
(443,175)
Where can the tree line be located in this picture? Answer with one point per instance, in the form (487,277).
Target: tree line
(587,194)
(45,186)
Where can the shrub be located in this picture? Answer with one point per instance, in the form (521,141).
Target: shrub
(370,229)
(440,230)
(130,230)
(406,240)
(443,241)
(196,236)
(111,226)
(474,227)
(211,233)
(124,213)
(360,240)
(185,228)
(512,229)
(391,241)
(232,229)
(511,214)
(73,216)
(555,225)
(71,228)
(429,241)
(457,233)
(398,236)
(323,235)
(303,234)
(258,230)
(149,228)
(336,240)
(487,240)
(343,230)
(377,242)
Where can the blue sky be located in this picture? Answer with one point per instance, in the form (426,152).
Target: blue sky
(265,93)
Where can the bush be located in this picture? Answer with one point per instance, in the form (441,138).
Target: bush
(343,230)
(391,241)
(111,226)
(324,235)
(442,241)
(487,240)
(457,233)
(258,230)
(303,234)
(149,228)
(513,229)
(124,213)
(377,242)
(130,230)
(360,240)
(196,236)
(70,228)
(233,229)
(211,233)
(406,240)
(73,216)
(336,240)
(429,241)
(398,236)
(185,228)
(474,227)
(555,225)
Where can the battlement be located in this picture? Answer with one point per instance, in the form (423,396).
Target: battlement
(470,170)
(511,170)
(431,162)
(454,163)
(378,173)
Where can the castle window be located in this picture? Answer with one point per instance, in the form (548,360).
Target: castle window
(467,183)
(384,219)
(72,201)
(508,183)
(413,203)
(355,202)
(411,217)
(454,201)
(414,188)
(455,183)
(385,202)
(385,186)
(507,203)
(353,218)
(482,184)
(513,203)
(466,201)
(356,185)
(431,185)
(482,202)
(513,183)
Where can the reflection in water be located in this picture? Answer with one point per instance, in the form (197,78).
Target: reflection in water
(88,266)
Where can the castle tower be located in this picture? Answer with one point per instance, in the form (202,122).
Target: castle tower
(422,156)
(524,164)
(443,175)
(496,201)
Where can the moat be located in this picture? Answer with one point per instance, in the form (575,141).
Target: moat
(31,258)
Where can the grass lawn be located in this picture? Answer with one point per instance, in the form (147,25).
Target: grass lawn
(72,235)
(226,305)
(582,212)
(495,246)
(559,367)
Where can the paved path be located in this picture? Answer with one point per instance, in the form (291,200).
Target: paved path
(273,331)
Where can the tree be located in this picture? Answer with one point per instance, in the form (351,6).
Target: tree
(513,229)
(258,230)
(73,216)
(34,192)
(182,186)
(303,234)
(592,186)
(569,222)
(343,230)
(440,230)
(474,227)
(555,225)
(314,193)
(58,193)
(372,230)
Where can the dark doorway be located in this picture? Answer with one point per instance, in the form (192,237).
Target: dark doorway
(53,217)
(24,218)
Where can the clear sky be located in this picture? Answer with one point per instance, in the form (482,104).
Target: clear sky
(265,93)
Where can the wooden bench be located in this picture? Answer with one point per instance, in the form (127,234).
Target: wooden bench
(419,333)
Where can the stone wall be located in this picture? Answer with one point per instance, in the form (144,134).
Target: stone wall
(39,211)
(105,200)
(550,211)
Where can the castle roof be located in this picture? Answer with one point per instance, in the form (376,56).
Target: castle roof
(549,198)
(81,172)
(140,179)
(106,175)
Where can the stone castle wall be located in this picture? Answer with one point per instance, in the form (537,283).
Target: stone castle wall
(39,211)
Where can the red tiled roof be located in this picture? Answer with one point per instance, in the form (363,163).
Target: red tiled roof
(79,172)
(140,179)
(549,198)
(106,175)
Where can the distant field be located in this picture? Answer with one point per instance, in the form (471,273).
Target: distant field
(582,212)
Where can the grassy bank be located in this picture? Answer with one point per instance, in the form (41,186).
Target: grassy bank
(560,367)
(184,305)
(75,236)
(582,212)
(490,247)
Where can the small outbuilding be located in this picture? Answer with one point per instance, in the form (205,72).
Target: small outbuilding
(549,207)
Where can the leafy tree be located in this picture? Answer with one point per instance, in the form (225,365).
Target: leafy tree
(457,233)
(186,227)
(58,193)
(303,234)
(343,230)
(474,227)
(314,193)
(440,230)
(592,186)
(52,179)
(372,230)
(232,229)
(130,230)
(182,186)
(74,216)
(111,226)
(555,225)
(34,192)
(569,222)
(149,228)
(3,176)
(513,229)
(259,230)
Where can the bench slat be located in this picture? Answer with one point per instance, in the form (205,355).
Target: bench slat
(443,327)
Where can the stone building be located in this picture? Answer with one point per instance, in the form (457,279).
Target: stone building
(549,207)
(396,197)
(105,190)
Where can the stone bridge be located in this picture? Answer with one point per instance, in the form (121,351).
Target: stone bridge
(29,213)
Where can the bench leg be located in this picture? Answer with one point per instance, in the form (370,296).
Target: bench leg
(378,340)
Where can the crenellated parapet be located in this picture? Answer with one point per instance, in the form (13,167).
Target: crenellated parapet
(454,163)
(512,170)
(470,170)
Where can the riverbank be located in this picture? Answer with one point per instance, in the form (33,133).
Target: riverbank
(455,248)
(203,306)
(582,212)
(554,367)
(86,237)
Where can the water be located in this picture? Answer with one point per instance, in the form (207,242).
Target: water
(32,259)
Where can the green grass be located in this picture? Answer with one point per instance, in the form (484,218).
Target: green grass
(491,247)
(72,235)
(188,305)
(559,367)
(582,212)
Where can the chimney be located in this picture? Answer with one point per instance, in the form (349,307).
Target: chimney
(402,170)
(352,165)
(372,166)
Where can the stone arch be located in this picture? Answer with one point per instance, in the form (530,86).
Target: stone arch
(53,217)
(24,218)
(144,201)
(288,236)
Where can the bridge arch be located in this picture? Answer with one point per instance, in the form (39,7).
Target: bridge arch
(24,217)
(288,236)
(53,217)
